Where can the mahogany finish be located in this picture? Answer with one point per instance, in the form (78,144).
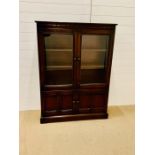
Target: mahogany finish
(64,94)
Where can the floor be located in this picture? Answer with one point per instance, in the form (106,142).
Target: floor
(113,136)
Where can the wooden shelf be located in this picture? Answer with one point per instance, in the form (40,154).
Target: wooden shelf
(69,50)
(92,67)
(96,50)
(59,67)
(70,67)
(58,50)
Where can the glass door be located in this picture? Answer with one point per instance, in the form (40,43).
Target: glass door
(59,56)
(94,51)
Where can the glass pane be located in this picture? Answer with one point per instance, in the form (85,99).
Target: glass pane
(59,53)
(93,55)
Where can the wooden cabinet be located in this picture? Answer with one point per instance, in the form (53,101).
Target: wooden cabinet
(74,63)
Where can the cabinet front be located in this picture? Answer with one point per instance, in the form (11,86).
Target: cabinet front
(75,62)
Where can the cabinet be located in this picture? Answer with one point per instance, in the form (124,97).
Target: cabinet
(74,66)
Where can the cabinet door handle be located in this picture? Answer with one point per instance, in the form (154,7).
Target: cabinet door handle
(74,58)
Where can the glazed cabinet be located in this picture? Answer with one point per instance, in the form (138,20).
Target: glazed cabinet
(74,66)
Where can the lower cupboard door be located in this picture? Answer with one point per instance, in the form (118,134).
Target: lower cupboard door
(93,103)
(59,103)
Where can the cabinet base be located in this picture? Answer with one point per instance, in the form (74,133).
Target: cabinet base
(62,118)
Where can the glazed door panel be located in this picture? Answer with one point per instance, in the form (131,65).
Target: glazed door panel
(94,51)
(58,59)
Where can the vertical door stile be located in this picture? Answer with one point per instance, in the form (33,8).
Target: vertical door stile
(74,62)
(78,58)
(76,69)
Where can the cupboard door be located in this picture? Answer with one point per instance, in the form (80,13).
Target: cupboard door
(66,103)
(57,103)
(85,103)
(91,102)
(99,103)
(94,52)
(58,58)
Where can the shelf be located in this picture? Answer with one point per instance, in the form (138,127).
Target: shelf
(96,50)
(70,67)
(58,67)
(69,50)
(58,50)
(92,67)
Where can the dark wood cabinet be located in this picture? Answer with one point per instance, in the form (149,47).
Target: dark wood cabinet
(74,64)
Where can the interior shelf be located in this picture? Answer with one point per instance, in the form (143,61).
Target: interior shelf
(58,50)
(69,50)
(70,67)
(59,67)
(92,67)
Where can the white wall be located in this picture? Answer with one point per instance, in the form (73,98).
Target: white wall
(120,12)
